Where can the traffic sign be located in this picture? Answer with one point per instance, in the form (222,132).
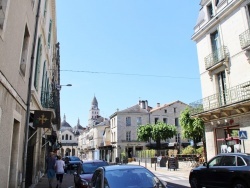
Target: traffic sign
(243,135)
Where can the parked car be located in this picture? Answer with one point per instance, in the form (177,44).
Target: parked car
(85,171)
(71,162)
(224,170)
(125,176)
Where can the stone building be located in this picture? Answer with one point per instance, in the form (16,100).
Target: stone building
(222,36)
(169,114)
(69,137)
(29,74)
(123,126)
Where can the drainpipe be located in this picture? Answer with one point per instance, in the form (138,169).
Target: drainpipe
(26,133)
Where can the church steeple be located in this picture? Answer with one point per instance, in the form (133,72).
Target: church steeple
(94,102)
(94,111)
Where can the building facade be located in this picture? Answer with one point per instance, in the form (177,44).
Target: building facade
(123,126)
(69,138)
(223,40)
(170,115)
(29,72)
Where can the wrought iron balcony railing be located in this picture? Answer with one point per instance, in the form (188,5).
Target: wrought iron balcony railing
(230,96)
(245,39)
(216,57)
(47,99)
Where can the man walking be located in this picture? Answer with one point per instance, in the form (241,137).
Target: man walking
(51,160)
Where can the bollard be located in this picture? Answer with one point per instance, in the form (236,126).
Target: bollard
(155,166)
(145,163)
(139,162)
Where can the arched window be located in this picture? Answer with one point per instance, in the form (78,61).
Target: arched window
(66,137)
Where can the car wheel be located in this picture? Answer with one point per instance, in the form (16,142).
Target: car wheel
(194,182)
(239,184)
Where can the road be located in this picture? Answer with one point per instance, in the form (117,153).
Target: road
(173,180)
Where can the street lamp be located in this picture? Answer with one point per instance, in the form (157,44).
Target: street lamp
(58,87)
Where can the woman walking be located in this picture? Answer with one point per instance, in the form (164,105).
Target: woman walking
(59,166)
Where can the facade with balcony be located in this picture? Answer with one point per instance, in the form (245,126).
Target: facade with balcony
(222,37)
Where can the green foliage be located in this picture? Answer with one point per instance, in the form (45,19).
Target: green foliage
(159,131)
(188,150)
(144,132)
(193,128)
(235,133)
(162,131)
(200,151)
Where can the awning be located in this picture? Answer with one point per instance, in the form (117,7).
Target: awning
(172,144)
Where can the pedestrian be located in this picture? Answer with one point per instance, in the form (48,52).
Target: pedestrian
(51,160)
(59,166)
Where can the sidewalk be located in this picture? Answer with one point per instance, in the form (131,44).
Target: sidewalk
(68,182)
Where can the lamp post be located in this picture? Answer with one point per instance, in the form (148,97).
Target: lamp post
(59,87)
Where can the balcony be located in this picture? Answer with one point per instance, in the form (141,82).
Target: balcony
(216,58)
(245,39)
(233,100)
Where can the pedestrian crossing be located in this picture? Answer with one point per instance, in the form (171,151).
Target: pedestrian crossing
(170,177)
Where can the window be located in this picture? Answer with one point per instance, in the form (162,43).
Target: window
(174,110)
(45,9)
(215,42)
(24,51)
(165,111)
(38,61)
(165,120)
(128,121)
(216,161)
(210,11)
(228,161)
(221,76)
(49,33)
(176,120)
(156,120)
(138,121)
(62,137)
(240,162)
(66,137)
(70,137)
(128,136)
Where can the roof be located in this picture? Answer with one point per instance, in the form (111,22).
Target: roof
(93,161)
(94,102)
(65,123)
(166,105)
(134,109)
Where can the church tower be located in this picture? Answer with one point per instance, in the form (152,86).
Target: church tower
(93,112)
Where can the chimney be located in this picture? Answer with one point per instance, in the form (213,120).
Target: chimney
(158,104)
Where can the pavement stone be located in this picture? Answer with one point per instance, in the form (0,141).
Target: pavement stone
(68,182)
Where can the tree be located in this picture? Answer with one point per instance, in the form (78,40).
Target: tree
(162,131)
(159,131)
(192,128)
(144,132)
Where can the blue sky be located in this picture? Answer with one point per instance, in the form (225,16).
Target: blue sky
(122,51)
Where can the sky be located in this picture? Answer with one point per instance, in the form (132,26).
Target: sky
(123,51)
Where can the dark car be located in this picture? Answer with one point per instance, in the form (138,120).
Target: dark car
(224,170)
(125,176)
(71,162)
(85,172)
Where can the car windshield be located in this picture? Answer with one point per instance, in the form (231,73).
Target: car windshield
(89,168)
(74,159)
(131,178)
